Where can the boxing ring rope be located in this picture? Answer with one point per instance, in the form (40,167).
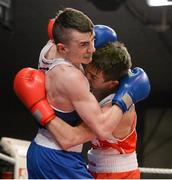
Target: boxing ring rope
(155,170)
(7,158)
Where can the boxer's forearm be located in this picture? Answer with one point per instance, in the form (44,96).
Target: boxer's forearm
(68,136)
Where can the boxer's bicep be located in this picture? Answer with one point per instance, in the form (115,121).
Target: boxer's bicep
(84,102)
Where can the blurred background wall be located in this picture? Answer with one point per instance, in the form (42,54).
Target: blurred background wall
(147,33)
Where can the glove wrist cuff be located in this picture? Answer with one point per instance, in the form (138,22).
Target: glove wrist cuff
(43,112)
(124,101)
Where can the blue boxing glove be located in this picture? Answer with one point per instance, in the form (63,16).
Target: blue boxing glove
(133,88)
(103,35)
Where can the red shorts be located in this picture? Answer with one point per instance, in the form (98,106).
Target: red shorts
(121,175)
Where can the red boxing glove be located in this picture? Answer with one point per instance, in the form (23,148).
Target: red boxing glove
(50,28)
(29,86)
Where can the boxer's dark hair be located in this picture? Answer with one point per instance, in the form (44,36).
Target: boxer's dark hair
(113,60)
(69,19)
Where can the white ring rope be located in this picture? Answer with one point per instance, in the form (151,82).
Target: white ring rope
(156,170)
(7,158)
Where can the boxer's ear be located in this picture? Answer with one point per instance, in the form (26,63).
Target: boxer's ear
(60,47)
(112,84)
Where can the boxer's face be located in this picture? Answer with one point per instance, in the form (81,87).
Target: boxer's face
(80,48)
(97,80)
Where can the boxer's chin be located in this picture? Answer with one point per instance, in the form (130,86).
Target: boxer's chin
(87,59)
